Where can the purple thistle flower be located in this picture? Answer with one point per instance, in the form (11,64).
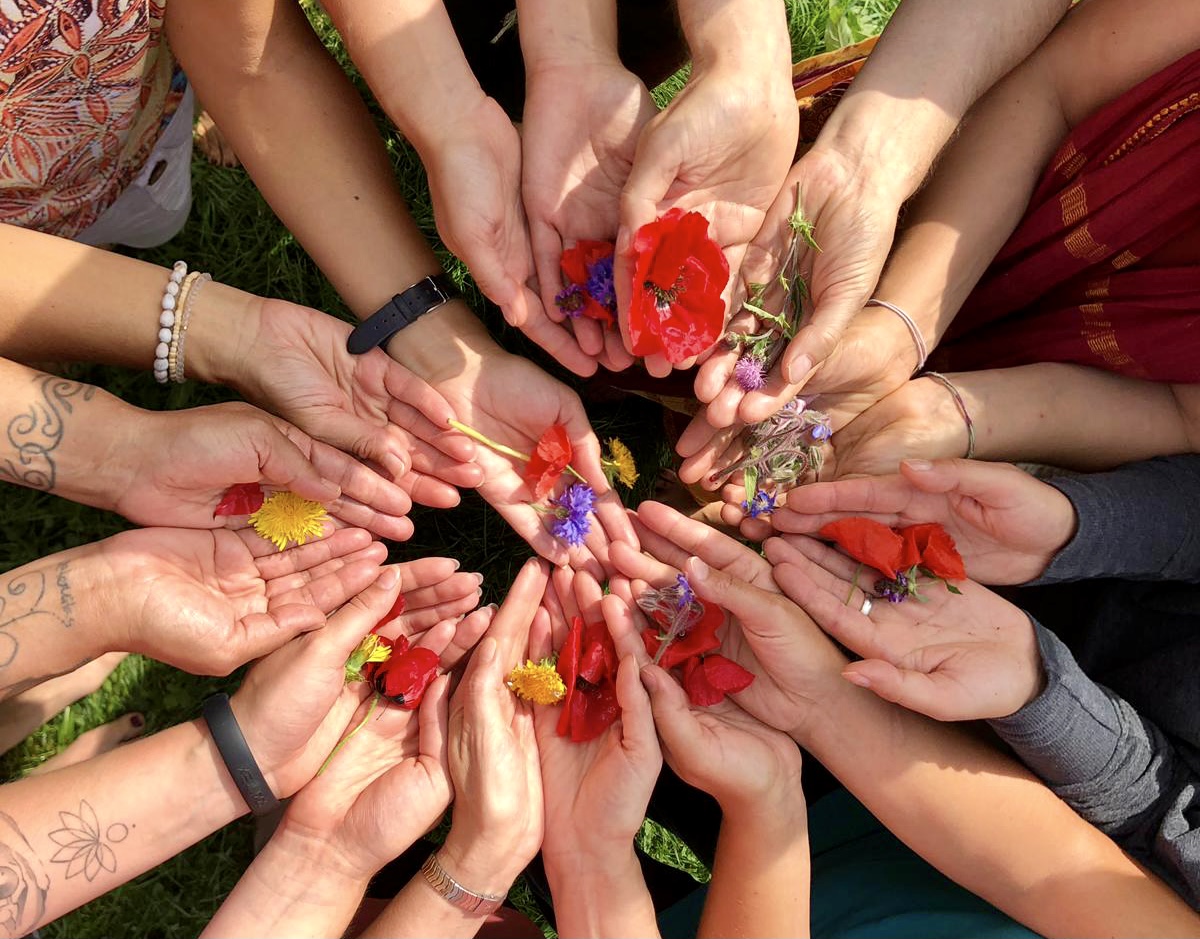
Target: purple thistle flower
(570,300)
(571,522)
(749,373)
(600,284)
(763,503)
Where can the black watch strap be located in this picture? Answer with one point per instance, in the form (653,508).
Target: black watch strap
(234,750)
(402,310)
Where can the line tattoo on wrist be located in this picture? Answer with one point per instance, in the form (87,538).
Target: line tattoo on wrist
(83,847)
(34,434)
(22,597)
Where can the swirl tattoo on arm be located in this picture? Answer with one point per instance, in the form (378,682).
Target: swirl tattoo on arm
(34,434)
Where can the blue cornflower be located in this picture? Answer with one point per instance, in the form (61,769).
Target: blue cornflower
(570,300)
(600,284)
(573,505)
(763,503)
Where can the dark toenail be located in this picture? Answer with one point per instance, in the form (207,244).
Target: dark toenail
(137,720)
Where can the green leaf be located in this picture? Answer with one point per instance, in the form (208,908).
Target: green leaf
(952,588)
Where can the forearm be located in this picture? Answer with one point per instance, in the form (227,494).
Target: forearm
(596,896)
(762,872)
(985,822)
(294,887)
(575,34)
(911,94)
(1138,522)
(1070,416)
(738,36)
(83,830)
(1111,765)
(307,140)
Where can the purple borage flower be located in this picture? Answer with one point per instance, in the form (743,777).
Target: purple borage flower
(572,507)
(763,503)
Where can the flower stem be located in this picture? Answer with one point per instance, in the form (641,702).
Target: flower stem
(501,448)
(853,583)
(357,727)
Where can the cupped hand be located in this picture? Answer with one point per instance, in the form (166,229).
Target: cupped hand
(200,452)
(367,405)
(511,401)
(1006,524)
(722,148)
(209,601)
(720,749)
(955,656)
(497,826)
(578,139)
(595,792)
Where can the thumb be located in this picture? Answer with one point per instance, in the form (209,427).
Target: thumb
(284,465)
(263,633)
(345,628)
(988,483)
(917,691)
(816,341)
(752,607)
(677,726)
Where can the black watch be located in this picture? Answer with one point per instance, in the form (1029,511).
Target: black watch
(402,310)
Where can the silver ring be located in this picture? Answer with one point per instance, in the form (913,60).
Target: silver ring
(865,609)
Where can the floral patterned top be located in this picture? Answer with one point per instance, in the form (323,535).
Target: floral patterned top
(85,86)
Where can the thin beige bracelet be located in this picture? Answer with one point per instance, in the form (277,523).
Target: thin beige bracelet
(185,316)
(962,407)
(185,290)
(914,331)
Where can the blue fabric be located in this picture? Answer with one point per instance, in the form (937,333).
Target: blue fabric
(867,883)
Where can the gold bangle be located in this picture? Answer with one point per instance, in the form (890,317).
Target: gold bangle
(477,904)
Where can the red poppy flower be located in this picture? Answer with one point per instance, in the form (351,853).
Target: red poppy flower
(930,547)
(240,499)
(587,664)
(678,276)
(403,678)
(870,542)
(397,609)
(588,266)
(708,679)
(548,461)
(700,638)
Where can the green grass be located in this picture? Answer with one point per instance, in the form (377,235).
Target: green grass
(233,233)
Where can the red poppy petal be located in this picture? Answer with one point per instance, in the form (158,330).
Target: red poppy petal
(397,609)
(867,541)
(726,674)
(548,460)
(404,677)
(573,264)
(700,639)
(594,311)
(568,655)
(240,499)
(593,712)
(598,656)
(910,549)
(941,557)
(700,691)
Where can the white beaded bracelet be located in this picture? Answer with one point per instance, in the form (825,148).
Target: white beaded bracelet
(918,339)
(166,322)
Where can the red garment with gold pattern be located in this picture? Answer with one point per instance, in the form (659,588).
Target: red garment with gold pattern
(84,89)
(1104,269)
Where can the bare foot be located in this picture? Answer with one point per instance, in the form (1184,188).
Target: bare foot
(94,742)
(212,143)
(22,714)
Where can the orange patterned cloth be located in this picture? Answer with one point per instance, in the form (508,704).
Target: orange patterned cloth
(85,87)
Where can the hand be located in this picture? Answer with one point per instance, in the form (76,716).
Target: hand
(722,148)
(741,762)
(595,792)
(510,400)
(199,453)
(497,826)
(239,596)
(954,657)
(793,662)
(1006,524)
(368,405)
(578,139)
(295,704)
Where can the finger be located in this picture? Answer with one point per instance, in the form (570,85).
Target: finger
(433,722)
(283,465)
(510,627)
(355,619)
(561,343)
(340,543)
(379,523)
(815,342)
(437,639)
(695,538)
(758,611)
(359,482)
(637,719)
(408,389)
(447,589)
(934,694)
(426,490)
(528,525)
(541,639)
(262,633)
(658,365)
(589,334)
(562,603)
(760,404)
(547,247)
(615,357)
(714,376)
(642,569)
(286,588)
(625,625)
(845,623)
(261,548)
(416,621)
(678,728)
(588,594)
(481,685)
(830,559)
(467,633)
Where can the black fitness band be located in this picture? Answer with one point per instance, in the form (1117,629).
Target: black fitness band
(402,310)
(240,762)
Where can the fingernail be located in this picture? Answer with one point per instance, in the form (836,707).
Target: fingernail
(698,568)
(137,720)
(650,677)
(918,466)
(388,578)
(855,678)
(478,579)
(494,607)
(457,563)
(795,370)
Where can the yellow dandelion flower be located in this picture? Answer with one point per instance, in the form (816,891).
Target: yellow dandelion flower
(619,464)
(369,650)
(538,682)
(285,517)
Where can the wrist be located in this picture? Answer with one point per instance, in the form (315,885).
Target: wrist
(443,344)
(315,857)
(577,36)
(719,39)
(221,335)
(100,580)
(478,866)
